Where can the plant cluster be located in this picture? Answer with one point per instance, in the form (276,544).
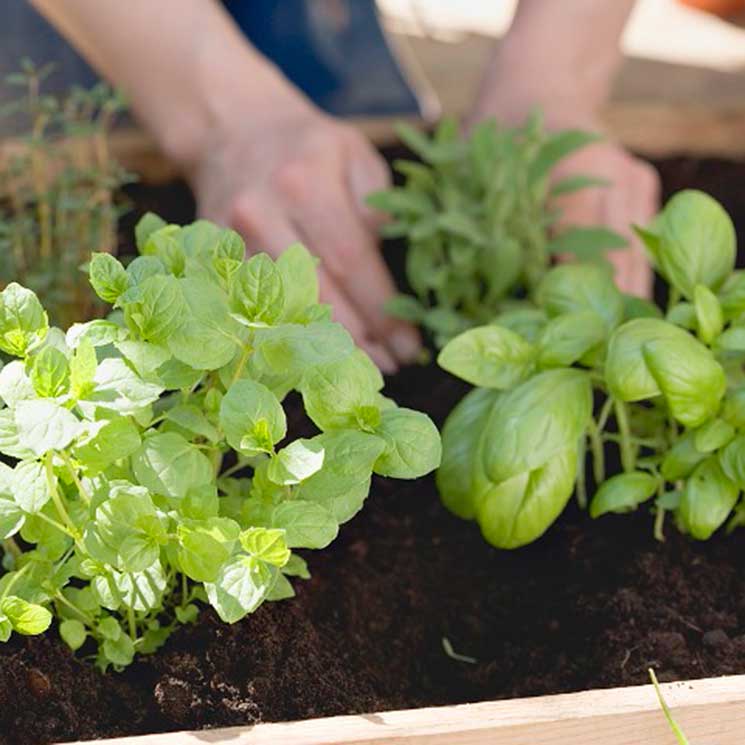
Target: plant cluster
(670,392)
(476,214)
(58,190)
(148,463)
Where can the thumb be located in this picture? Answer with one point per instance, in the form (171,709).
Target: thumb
(367,174)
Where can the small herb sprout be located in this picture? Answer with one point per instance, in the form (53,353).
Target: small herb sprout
(677,731)
(450,652)
(671,392)
(58,201)
(148,461)
(477,218)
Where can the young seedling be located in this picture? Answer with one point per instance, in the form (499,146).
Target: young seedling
(476,214)
(671,392)
(148,462)
(58,201)
(677,731)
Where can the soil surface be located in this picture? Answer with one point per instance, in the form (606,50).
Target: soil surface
(592,604)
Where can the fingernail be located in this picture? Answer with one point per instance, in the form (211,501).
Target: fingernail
(405,344)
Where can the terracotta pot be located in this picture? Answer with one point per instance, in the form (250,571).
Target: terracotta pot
(722,8)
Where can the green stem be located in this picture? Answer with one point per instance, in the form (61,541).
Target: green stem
(581,481)
(241,363)
(13,580)
(598,453)
(605,411)
(628,456)
(659,525)
(78,484)
(12,548)
(57,500)
(233,469)
(132,622)
(62,599)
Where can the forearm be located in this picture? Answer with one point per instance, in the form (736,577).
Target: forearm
(185,67)
(561,56)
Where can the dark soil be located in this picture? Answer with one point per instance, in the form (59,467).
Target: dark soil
(589,605)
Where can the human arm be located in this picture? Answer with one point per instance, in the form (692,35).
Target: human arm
(259,156)
(563,57)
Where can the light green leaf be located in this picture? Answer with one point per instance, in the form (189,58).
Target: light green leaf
(306,524)
(488,356)
(26,618)
(23,321)
(586,243)
(168,464)
(206,546)
(623,493)
(159,310)
(15,385)
(113,440)
(44,425)
(567,338)
(256,291)
(296,462)
(241,587)
(50,373)
(145,227)
(194,420)
(707,500)
(297,268)
(108,277)
(119,388)
(252,418)
(266,544)
(708,314)
(73,633)
(413,447)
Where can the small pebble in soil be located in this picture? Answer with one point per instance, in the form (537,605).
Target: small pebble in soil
(715,638)
(38,683)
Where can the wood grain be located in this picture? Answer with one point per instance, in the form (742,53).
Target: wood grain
(711,712)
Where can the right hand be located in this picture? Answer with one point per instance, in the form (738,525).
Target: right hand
(290,173)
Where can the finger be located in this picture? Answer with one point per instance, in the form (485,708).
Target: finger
(368,173)
(351,257)
(348,316)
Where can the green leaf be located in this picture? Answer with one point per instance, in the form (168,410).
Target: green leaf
(119,388)
(708,314)
(296,462)
(535,422)
(489,356)
(108,277)
(11,516)
(256,291)
(207,337)
(50,373)
(648,357)
(206,546)
(413,448)
(336,394)
(343,482)
(158,312)
(192,419)
(586,243)
(119,652)
(306,524)
(73,633)
(297,268)
(252,418)
(83,364)
(107,443)
(26,618)
(707,500)
(23,321)
(241,587)
(15,385)
(713,435)
(517,511)
(623,493)
(581,287)
(460,476)
(266,544)
(567,338)
(168,464)
(697,243)
(571,184)
(732,460)
(44,425)
(148,224)
(556,148)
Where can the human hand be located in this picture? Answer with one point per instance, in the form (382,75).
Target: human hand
(630,198)
(289,173)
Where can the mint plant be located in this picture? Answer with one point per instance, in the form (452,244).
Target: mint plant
(59,184)
(671,388)
(477,218)
(148,462)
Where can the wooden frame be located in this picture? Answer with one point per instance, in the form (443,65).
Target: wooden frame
(711,712)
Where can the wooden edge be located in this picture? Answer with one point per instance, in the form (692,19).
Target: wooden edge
(711,712)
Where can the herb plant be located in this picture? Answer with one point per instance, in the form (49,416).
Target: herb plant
(476,216)
(671,392)
(58,200)
(148,463)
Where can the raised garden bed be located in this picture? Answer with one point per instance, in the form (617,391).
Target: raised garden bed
(591,605)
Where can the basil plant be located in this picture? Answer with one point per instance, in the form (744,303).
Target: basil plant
(147,464)
(670,392)
(475,213)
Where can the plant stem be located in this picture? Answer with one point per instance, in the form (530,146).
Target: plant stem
(62,599)
(57,499)
(241,364)
(598,453)
(73,472)
(132,622)
(12,548)
(13,580)
(628,456)
(581,480)
(659,525)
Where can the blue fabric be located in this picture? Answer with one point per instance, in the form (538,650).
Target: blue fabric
(333,50)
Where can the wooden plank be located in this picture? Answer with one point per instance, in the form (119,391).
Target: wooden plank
(712,712)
